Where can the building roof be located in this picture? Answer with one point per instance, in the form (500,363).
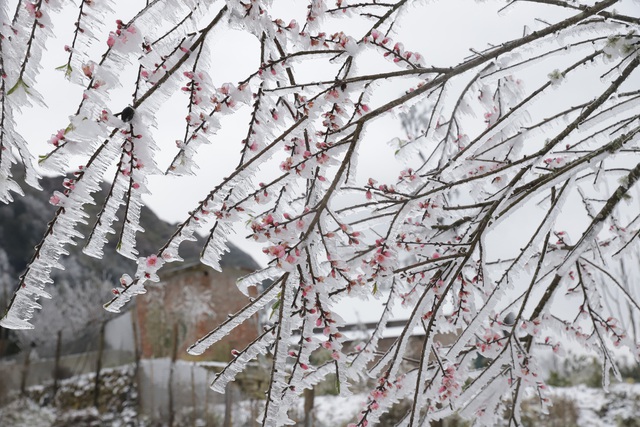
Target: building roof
(235,258)
(361,316)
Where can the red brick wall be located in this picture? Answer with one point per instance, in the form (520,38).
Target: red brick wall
(196,299)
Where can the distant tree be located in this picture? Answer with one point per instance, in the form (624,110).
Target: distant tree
(76,314)
(480,153)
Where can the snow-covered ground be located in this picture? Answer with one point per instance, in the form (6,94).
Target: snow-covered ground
(619,407)
(73,407)
(595,408)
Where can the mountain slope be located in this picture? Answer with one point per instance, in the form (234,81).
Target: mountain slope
(86,283)
(23,223)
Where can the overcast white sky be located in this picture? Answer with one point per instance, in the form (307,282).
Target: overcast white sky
(442,31)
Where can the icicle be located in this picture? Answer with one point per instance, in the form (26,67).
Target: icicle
(367,353)
(237,319)
(256,278)
(275,413)
(237,365)
(103,227)
(22,308)
(123,297)
(216,247)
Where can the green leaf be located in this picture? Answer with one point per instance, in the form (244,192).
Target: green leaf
(375,288)
(274,308)
(66,68)
(19,83)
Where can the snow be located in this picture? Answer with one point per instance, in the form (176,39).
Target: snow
(440,218)
(595,408)
(598,409)
(356,311)
(26,413)
(336,410)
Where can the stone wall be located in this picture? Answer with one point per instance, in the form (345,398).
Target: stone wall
(41,371)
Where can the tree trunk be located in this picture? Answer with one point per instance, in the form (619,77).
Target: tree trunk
(309,396)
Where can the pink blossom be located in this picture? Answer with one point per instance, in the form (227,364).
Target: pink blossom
(152,261)
(87,69)
(278,251)
(55,139)
(31,7)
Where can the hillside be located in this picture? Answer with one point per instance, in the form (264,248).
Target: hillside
(23,223)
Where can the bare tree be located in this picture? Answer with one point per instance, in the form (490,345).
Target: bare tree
(480,151)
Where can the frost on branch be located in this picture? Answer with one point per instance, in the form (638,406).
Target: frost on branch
(505,218)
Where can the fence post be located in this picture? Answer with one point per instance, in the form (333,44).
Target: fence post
(206,402)
(4,333)
(25,370)
(193,393)
(137,381)
(174,356)
(96,387)
(56,366)
(228,405)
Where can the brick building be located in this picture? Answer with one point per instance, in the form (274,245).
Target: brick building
(188,302)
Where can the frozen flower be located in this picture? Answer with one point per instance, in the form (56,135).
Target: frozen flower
(152,261)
